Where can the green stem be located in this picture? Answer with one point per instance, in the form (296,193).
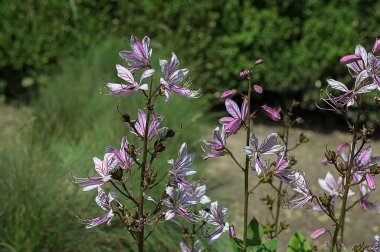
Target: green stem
(143,168)
(347,181)
(246,169)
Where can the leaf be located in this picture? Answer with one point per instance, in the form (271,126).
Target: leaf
(255,233)
(236,244)
(298,243)
(268,246)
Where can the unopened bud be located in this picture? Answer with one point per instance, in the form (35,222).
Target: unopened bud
(325,200)
(125,118)
(245,73)
(330,155)
(232,232)
(170,133)
(349,58)
(117,174)
(376,46)
(228,93)
(268,228)
(258,89)
(159,146)
(267,200)
(259,62)
(267,178)
(130,150)
(371,182)
(284,225)
(303,138)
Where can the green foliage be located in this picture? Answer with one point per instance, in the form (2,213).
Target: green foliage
(74,122)
(298,243)
(255,239)
(269,246)
(295,38)
(255,233)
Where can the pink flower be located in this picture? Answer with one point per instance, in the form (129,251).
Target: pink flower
(317,233)
(103,168)
(364,202)
(214,148)
(125,74)
(104,201)
(258,89)
(271,112)
(172,79)
(349,58)
(300,185)
(238,116)
(140,55)
(346,99)
(228,94)
(371,182)
(139,126)
(376,46)
(245,73)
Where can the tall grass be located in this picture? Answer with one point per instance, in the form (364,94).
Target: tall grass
(74,122)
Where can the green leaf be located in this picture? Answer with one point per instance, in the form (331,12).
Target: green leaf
(298,243)
(268,246)
(255,233)
(236,244)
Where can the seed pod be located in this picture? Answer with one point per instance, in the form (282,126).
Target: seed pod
(117,174)
(170,133)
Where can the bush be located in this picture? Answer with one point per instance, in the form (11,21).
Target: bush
(300,41)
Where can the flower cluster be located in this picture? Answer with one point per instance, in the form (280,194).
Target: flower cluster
(353,162)
(130,169)
(365,68)
(187,197)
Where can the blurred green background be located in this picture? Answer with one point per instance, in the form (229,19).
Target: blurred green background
(56,55)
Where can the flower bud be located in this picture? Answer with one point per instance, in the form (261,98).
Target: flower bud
(170,133)
(330,155)
(371,182)
(245,73)
(130,150)
(267,178)
(268,228)
(268,201)
(284,225)
(232,232)
(303,139)
(159,146)
(271,112)
(376,46)
(325,200)
(117,174)
(349,58)
(125,118)
(259,62)
(258,89)
(317,233)
(228,94)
